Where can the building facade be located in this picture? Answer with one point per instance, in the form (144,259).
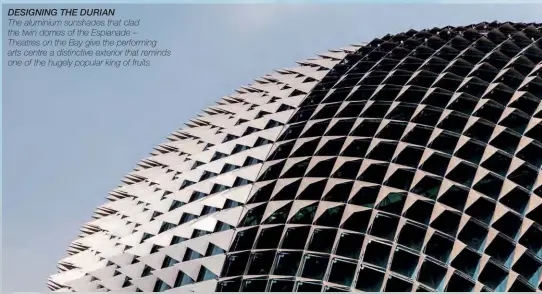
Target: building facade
(409,163)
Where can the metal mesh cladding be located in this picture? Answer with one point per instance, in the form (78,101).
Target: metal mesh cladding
(409,163)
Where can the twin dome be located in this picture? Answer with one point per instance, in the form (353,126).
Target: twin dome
(410,163)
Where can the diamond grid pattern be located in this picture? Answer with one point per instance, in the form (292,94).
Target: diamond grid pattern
(410,163)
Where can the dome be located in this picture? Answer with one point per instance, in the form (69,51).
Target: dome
(409,163)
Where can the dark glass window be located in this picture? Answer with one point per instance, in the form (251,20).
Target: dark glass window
(182,279)
(260,263)
(342,272)
(160,286)
(314,266)
(168,261)
(287,263)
